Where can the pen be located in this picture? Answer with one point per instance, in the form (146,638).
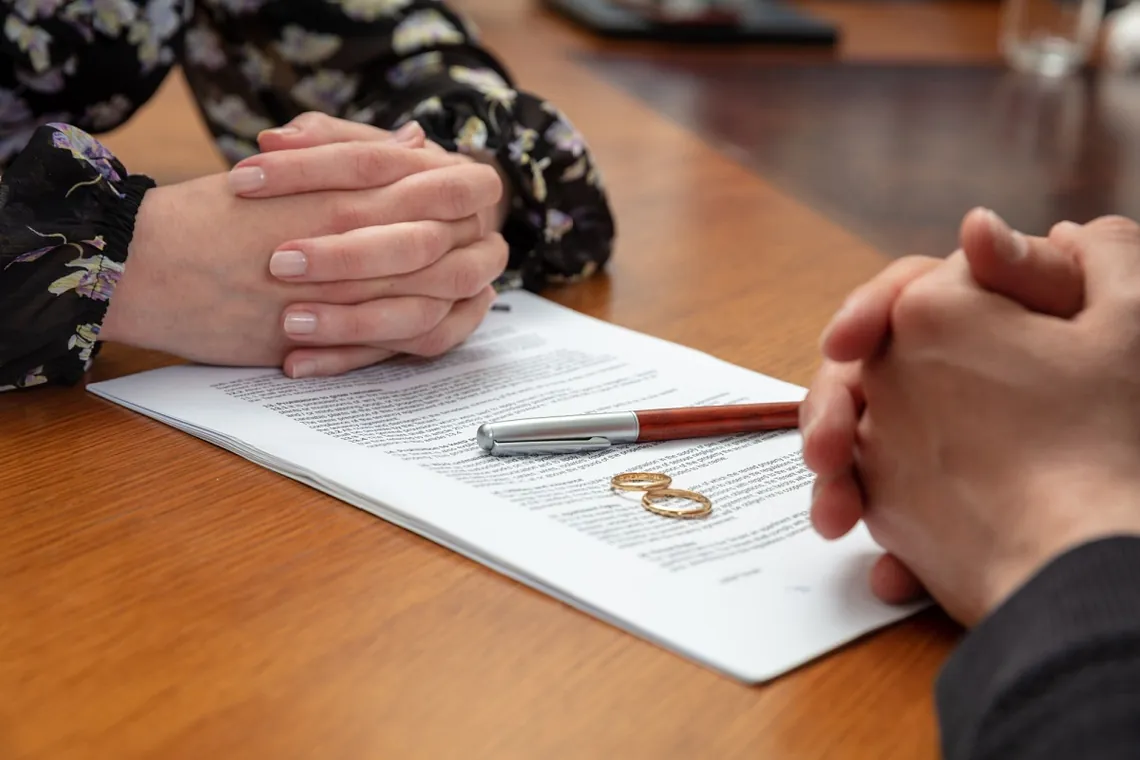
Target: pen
(592,432)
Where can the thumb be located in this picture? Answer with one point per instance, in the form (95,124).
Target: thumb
(1032,271)
(1039,273)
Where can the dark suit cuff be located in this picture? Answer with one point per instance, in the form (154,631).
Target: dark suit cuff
(1083,600)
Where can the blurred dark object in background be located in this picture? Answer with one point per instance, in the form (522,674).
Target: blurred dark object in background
(698,12)
(731,22)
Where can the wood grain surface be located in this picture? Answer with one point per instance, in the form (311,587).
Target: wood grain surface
(160,598)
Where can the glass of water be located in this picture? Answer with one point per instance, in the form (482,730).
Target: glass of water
(1049,37)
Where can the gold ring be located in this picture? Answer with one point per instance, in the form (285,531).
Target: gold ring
(640,481)
(703,508)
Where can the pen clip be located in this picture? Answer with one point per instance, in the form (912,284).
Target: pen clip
(566,446)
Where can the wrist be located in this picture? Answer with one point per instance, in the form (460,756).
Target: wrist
(1071,509)
(129,315)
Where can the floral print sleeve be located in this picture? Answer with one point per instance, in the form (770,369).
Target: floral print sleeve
(89,63)
(254,64)
(67,214)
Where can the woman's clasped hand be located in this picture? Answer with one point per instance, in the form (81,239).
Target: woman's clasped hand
(338,246)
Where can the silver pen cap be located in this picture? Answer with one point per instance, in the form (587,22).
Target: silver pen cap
(549,435)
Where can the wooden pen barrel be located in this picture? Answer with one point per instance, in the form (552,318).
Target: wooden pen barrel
(704,422)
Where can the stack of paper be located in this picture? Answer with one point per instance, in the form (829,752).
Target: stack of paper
(749,590)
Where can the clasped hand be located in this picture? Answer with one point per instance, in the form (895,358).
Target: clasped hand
(980,414)
(338,246)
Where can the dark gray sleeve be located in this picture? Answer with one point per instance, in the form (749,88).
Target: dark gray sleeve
(1055,671)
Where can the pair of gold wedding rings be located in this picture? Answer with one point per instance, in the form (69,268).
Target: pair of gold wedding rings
(655,487)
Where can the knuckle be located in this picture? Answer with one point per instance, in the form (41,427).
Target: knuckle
(497,186)
(480,226)
(489,180)
(358,326)
(369,162)
(1066,236)
(912,263)
(478,267)
(466,279)
(486,299)
(411,318)
(456,194)
(501,253)
(917,311)
(1060,229)
(428,243)
(302,171)
(427,314)
(341,259)
(311,121)
(347,214)
(435,343)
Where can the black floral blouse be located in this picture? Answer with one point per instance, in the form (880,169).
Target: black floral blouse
(72,68)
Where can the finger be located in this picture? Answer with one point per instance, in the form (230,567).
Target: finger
(365,324)
(339,166)
(1029,270)
(315,128)
(828,417)
(894,583)
(1108,252)
(459,275)
(831,411)
(462,320)
(325,362)
(862,325)
(373,252)
(444,194)
(837,505)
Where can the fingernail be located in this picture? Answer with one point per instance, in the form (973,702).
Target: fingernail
(304,369)
(1010,244)
(284,131)
(287,263)
(300,323)
(246,179)
(408,133)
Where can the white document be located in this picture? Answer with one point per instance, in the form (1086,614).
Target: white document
(749,590)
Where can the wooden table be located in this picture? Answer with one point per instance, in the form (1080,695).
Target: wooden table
(160,598)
